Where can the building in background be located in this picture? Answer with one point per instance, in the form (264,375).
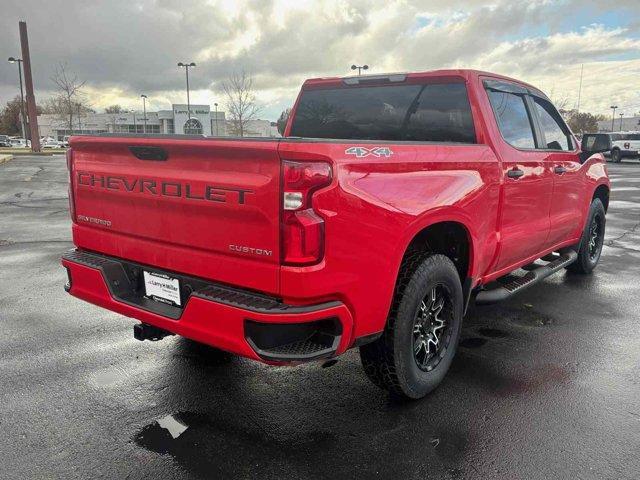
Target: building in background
(260,128)
(629,124)
(202,122)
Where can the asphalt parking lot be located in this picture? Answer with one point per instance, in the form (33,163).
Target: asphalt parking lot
(546,385)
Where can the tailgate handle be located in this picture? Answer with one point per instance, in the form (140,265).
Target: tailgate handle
(156,154)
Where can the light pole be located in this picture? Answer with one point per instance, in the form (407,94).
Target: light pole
(359,68)
(144,110)
(613,115)
(216,117)
(24,118)
(79,121)
(186,69)
(621,115)
(135,125)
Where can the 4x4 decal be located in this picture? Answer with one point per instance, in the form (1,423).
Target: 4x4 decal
(365,152)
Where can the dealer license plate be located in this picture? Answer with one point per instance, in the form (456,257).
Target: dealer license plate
(162,288)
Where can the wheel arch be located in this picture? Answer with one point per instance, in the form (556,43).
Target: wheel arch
(602,192)
(450,237)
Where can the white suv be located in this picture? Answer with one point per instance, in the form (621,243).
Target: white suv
(624,144)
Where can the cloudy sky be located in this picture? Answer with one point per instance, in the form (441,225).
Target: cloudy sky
(123,48)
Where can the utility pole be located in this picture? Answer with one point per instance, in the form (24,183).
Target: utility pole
(79,121)
(613,115)
(216,117)
(580,87)
(359,68)
(28,81)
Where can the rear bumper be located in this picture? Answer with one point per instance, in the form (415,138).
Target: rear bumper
(239,321)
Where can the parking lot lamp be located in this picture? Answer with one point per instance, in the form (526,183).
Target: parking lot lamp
(359,68)
(216,117)
(613,115)
(24,118)
(186,69)
(621,115)
(144,110)
(135,125)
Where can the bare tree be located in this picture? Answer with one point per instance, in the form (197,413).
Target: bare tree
(559,101)
(114,109)
(69,94)
(241,102)
(282,120)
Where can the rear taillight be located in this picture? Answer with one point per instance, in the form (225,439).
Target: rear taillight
(72,203)
(302,227)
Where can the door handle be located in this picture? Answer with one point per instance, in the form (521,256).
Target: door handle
(515,173)
(559,169)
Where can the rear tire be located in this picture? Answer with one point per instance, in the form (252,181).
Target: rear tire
(590,246)
(421,336)
(616,156)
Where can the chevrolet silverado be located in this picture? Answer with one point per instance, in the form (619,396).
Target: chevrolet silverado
(390,203)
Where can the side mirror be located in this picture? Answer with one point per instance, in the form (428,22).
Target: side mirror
(594,143)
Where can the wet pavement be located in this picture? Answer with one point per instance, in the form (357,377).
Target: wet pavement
(546,385)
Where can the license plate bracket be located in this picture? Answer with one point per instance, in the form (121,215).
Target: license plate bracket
(162,288)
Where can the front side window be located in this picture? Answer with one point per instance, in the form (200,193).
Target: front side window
(556,135)
(428,113)
(512,117)
(631,136)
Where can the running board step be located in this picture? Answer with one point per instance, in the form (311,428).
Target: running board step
(506,290)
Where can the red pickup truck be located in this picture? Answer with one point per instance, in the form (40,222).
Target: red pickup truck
(391,201)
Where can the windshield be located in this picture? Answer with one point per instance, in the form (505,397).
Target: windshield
(429,112)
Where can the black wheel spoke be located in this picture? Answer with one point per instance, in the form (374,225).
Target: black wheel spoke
(429,327)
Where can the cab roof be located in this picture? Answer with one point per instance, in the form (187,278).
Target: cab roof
(400,77)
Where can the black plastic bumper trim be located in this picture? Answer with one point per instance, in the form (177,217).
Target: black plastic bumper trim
(124,280)
(294,342)
(365,339)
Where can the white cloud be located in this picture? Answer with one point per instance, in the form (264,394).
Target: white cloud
(124,47)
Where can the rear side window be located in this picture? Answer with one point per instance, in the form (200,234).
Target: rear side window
(512,117)
(630,136)
(556,134)
(426,113)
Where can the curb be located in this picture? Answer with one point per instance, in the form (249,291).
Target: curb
(29,153)
(5,158)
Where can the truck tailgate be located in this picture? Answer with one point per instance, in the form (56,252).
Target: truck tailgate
(202,207)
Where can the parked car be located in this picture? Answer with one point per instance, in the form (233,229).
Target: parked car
(65,141)
(5,141)
(389,204)
(624,145)
(20,143)
(51,143)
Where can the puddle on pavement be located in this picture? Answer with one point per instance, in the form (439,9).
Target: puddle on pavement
(472,342)
(492,332)
(525,317)
(161,436)
(174,426)
(530,319)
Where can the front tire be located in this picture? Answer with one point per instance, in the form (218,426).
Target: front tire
(590,247)
(420,339)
